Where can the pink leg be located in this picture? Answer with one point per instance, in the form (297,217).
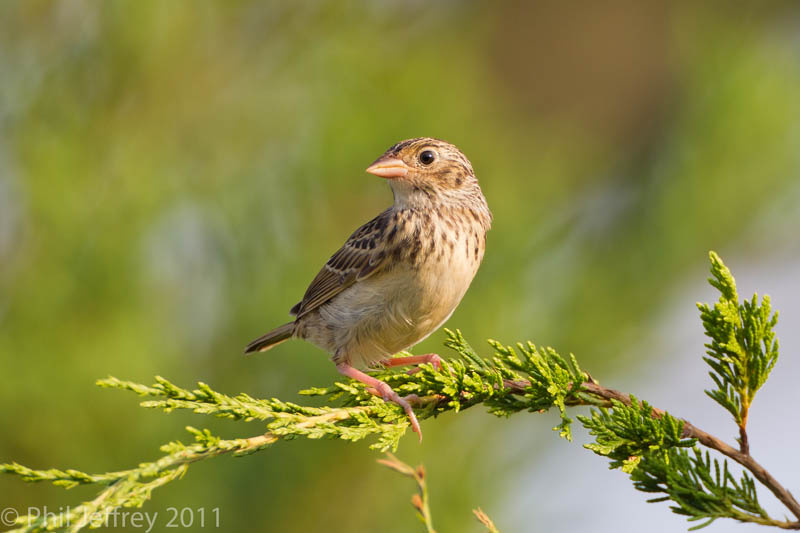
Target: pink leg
(383,390)
(431,358)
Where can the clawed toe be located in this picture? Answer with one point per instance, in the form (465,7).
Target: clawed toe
(389,395)
(411,417)
(435,360)
(413,399)
(379,388)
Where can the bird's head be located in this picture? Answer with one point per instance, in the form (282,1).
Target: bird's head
(426,172)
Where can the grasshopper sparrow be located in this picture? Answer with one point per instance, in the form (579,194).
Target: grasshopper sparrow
(401,275)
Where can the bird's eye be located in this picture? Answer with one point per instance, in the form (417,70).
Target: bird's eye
(426,157)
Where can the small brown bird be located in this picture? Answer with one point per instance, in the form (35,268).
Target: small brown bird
(401,275)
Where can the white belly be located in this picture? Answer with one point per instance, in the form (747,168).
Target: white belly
(388,313)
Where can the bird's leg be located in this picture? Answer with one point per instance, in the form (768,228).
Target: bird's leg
(379,388)
(431,358)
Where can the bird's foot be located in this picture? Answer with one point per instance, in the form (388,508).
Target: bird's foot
(379,388)
(388,394)
(431,358)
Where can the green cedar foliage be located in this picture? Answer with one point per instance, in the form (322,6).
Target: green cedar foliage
(661,453)
(743,348)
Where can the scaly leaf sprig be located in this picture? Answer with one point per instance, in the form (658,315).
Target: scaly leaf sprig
(743,347)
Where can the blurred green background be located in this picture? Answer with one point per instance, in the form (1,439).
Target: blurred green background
(173,174)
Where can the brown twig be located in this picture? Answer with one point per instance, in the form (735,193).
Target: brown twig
(744,444)
(419,500)
(742,456)
(710,441)
(484,519)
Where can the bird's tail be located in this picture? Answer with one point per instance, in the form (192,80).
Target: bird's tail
(273,338)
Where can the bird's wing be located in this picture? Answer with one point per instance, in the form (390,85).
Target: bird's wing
(361,256)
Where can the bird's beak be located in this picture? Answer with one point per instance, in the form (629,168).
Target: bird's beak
(387,167)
